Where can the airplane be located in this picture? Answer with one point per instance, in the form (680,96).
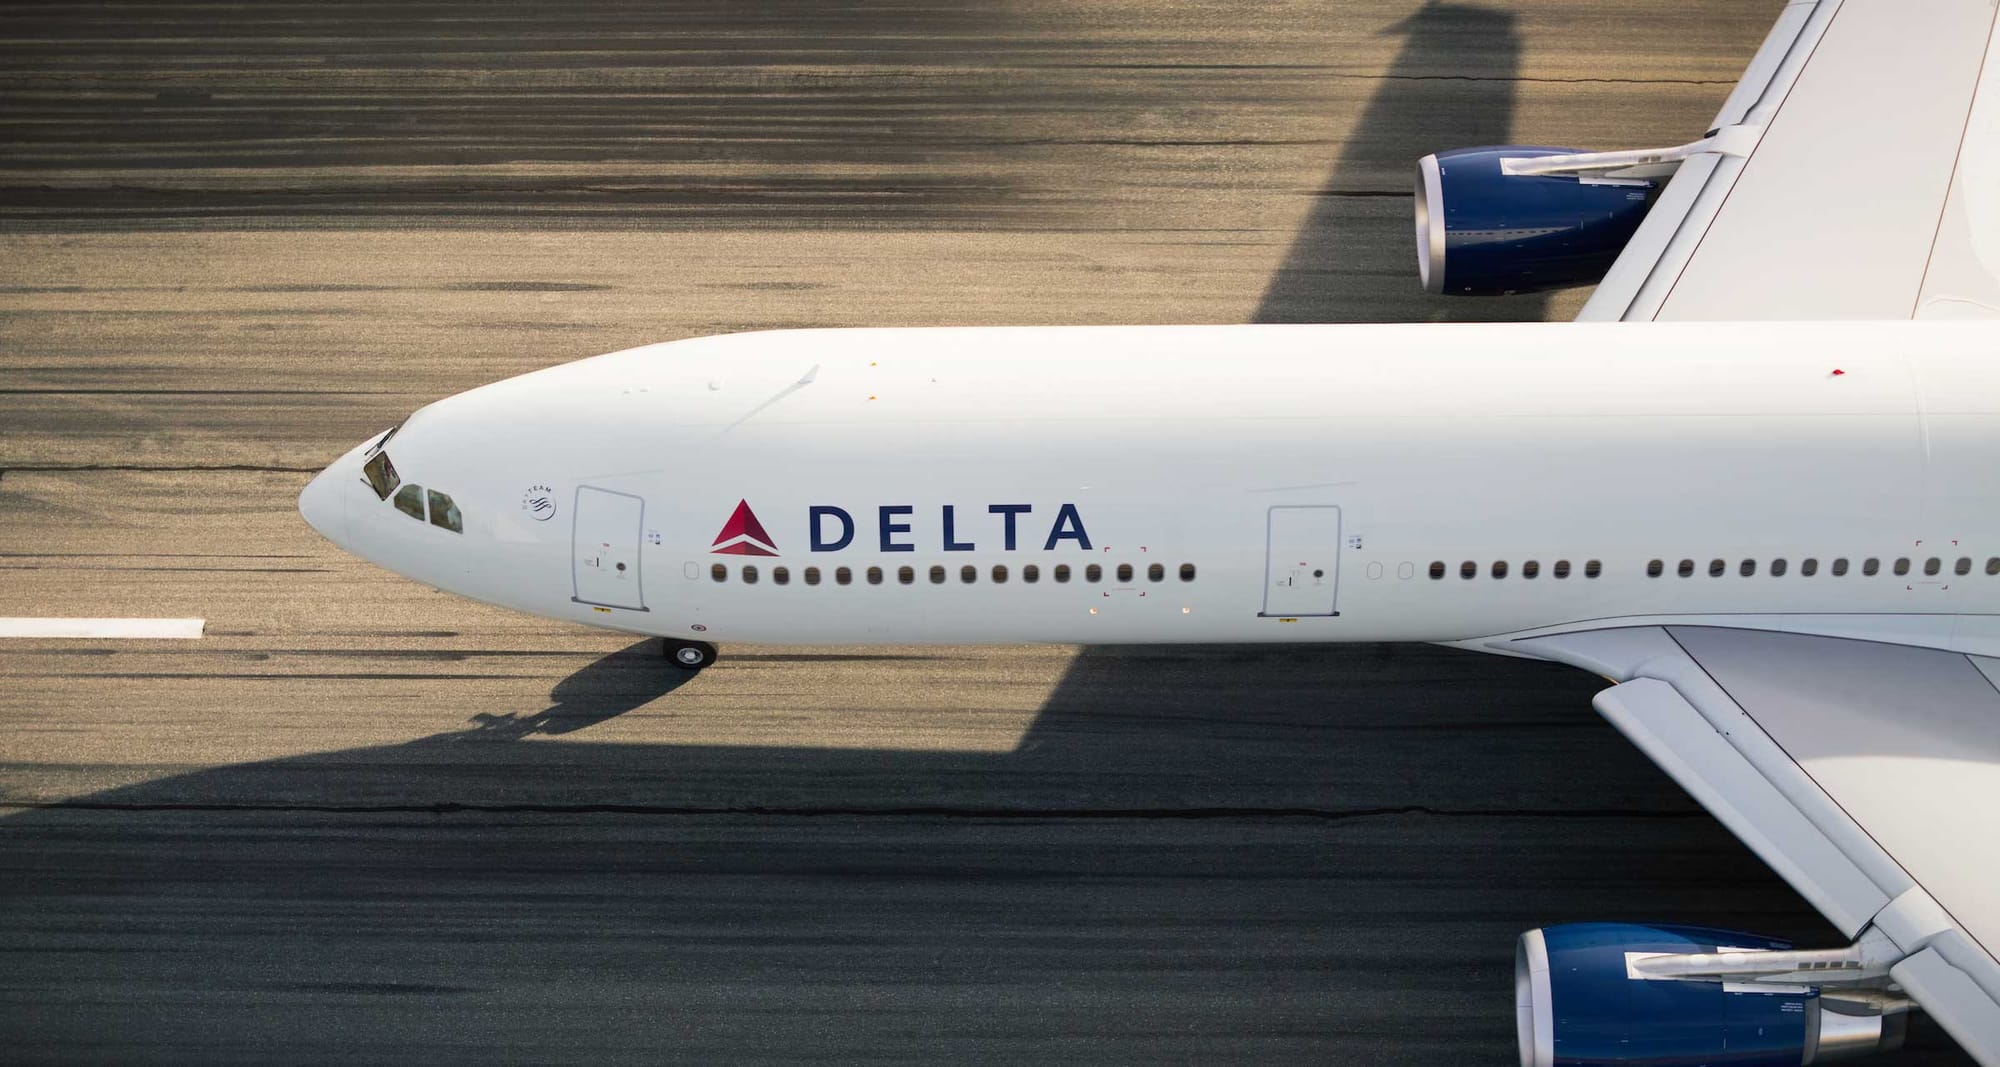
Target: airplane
(1751,492)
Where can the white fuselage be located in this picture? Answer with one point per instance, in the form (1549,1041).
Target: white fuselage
(1312,479)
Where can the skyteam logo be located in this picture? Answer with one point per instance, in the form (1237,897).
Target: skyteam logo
(539,502)
(743,535)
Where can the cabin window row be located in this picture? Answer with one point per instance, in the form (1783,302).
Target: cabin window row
(966,574)
(1809,567)
(1716,568)
(1529,569)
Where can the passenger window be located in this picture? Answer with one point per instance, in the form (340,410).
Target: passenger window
(812,575)
(1093,573)
(719,572)
(999,573)
(968,574)
(1187,572)
(1468,569)
(1932,565)
(1902,566)
(1993,565)
(382,475)
(1809,567)
(1655,569)
(1686,569)
(906,575)
(1747,568)
(1778,567)
(1124,572)
(842,576)
(1716,567)
(1499,568)
(1156,573)
(1437,569)
(874,576)
(749,575)
(937,575)
(1840,567)
(1061,572)
(1531,569)
(1031,574)
(1562,568)
(1593,568)
(1963,566)
(411,501)
(780,576)
(1871,566)
(444,513)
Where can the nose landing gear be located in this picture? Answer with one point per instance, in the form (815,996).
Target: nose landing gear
(688,655)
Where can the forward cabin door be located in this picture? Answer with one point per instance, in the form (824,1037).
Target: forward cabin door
(606,561)
(1302,562)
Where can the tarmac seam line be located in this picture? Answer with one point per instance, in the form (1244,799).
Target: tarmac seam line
(894,812)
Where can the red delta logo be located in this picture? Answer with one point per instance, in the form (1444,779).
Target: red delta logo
(832,529)
(743,535)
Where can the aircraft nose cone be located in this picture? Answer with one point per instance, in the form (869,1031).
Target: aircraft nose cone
(323,505)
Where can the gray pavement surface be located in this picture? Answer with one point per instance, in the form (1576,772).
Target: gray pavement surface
(364,820)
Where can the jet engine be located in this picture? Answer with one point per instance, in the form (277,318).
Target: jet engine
(1682,996)
(1484,227)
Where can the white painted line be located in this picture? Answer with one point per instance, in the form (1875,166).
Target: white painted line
(142,629)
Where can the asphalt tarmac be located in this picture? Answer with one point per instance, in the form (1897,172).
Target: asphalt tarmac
(361,820)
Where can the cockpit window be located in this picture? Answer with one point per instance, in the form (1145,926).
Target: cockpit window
(445,513)
(382,476)
(411,501)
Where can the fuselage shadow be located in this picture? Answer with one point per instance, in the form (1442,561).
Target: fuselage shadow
(1191,852)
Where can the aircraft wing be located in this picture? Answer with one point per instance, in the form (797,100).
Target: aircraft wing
(1855,175)
(1866,774)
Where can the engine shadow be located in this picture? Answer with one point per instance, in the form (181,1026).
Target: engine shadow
(1451,86)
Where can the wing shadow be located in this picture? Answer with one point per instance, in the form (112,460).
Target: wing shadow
(1354,259)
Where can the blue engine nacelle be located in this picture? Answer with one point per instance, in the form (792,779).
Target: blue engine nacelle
(1576,1003)
(1482,232)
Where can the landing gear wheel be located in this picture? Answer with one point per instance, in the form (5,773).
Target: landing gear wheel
(689,655)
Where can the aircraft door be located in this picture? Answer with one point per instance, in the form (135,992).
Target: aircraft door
(1302,562)
(606,551)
